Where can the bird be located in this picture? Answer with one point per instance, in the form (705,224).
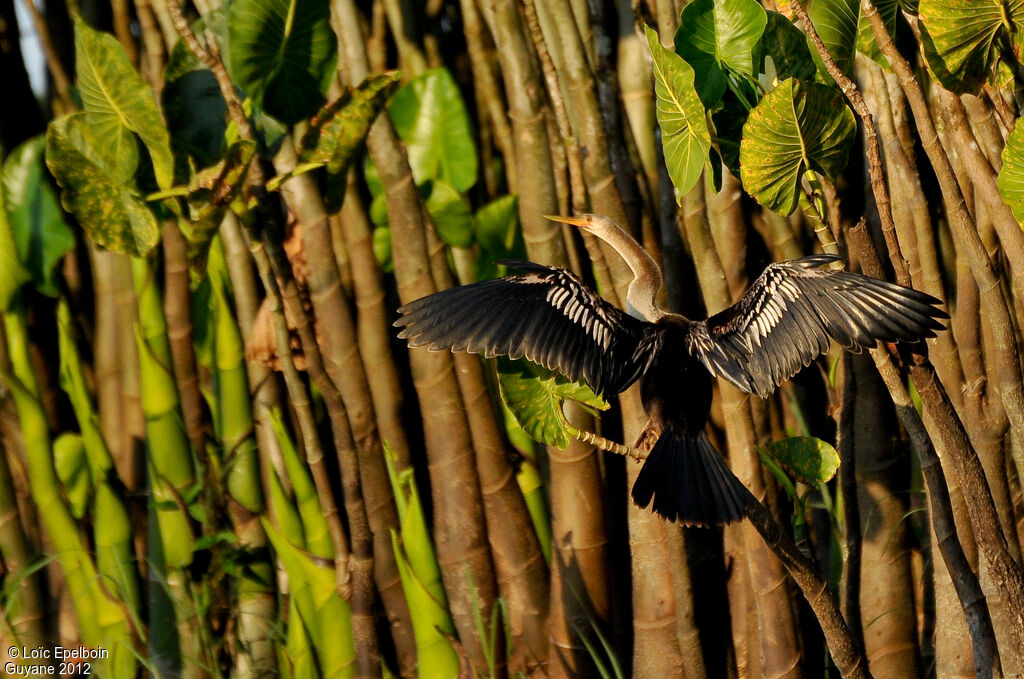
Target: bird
(783,321)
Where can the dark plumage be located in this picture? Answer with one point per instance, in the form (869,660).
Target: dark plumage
(782,323)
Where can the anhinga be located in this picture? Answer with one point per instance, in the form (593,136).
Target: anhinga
(782,323)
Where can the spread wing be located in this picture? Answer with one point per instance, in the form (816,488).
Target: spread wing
(784,321)
(545,314)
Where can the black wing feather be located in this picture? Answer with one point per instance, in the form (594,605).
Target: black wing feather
(545,314)
(785,320)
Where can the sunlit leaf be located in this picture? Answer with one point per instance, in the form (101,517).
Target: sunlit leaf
(718,38)
(212,193)
(118,101)
(339,129)
(810,460)
(40,233)
(283,54)
(498,235)
(889,10)
(962,39)
(113,214)
(535,395)
(1011,177)
(430,117)
(450,213)
(797,127)
(681,116)
(837,24)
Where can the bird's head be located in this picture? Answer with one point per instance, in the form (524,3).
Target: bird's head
(584,221)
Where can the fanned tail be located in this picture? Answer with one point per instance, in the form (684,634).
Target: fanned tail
(689,481)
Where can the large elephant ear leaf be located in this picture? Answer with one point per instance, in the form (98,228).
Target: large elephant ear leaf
(113,214)
(797,127)
(681,116)
(118,102)
(282,53)
(41,235)
(719,38)
(963,40)
(836,22)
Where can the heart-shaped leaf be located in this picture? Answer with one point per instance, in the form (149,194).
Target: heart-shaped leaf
(962,39)
(40,233)
(718,38)
(808,459)
(282,54)
(681,116)
(430,117)
(118,102)
(797,127)
(535,395)
(837,23)
(113,214)
(498,235)
(784,52)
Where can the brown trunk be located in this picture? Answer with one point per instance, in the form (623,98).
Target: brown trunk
(779,640)
(886,594)
(343,363)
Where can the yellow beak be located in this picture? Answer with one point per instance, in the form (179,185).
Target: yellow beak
(581,222)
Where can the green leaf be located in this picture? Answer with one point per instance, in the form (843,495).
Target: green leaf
(808,459)
(382,248)
(40,233)
(450,213)
(797,127)
(112,214)
(12,274)
(837,23)
(784,52)
(718,38)
(498,235)
(196,115)
(684,127)
(283,54)
(889,10)
(118,101)
(963,39)
(1011,177)
(430,116)
(535,395)
(213,191)
(340,128)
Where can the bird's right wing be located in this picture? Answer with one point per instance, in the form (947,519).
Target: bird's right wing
(785,320)
(545,314)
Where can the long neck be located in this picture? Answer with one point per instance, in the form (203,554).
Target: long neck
(647,280)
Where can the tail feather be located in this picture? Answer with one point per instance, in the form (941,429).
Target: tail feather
(688,481)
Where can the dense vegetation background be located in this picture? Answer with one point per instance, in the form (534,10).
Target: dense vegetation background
(216,459)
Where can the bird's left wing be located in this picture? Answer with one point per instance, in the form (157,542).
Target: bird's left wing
(545,314)
(785,320)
